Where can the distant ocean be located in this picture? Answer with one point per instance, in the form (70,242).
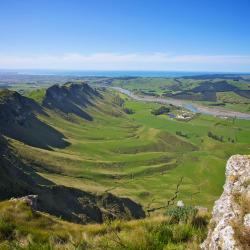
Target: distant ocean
(97,73)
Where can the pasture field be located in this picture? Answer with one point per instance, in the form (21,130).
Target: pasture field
(225,92)
(139,155)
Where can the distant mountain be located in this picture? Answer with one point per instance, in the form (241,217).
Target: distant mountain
(206,90)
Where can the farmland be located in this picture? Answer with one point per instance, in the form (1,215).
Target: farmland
(139,155)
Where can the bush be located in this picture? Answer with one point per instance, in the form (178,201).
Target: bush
(181,214)
(215,137)
(128,111)
(160,111)
(118,101)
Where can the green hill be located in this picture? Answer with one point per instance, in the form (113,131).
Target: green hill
(134,155)
(78,150)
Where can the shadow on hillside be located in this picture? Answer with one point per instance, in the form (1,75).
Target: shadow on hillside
(70,100)
(18,121)
(69,107)
(34,132)
(17,180)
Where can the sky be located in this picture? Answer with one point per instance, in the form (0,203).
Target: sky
(179,35)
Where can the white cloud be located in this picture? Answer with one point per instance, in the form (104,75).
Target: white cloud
(130,61)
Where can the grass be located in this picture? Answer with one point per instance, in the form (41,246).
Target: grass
(138,154)
(241,231)
(37,94)
(134,155)
(22,228)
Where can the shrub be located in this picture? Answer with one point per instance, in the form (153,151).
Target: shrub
(160,111)
(181,214)
(128,111)
(118,101)
(215,137)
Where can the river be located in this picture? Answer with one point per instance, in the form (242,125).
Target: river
(194,107)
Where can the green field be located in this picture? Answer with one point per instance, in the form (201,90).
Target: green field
(230,94)
(139,155)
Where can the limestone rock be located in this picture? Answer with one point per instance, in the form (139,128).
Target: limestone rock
(230,217)
(30,200)
(247,220)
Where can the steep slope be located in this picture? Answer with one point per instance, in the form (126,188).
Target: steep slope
(71,98)
(230,224)
(136,155)
(68,203)
(18,120)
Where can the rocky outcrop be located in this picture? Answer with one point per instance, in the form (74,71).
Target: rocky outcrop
(71,98)
(30,200)
(229,227)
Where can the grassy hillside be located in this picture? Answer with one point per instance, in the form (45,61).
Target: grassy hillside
(24,229)
(139,155)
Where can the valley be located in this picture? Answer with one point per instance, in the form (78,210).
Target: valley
(124,125)
(92,152)
(135,155)
(193,107)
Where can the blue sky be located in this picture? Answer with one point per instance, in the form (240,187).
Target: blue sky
(202,35)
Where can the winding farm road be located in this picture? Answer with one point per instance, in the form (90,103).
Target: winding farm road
(194,107)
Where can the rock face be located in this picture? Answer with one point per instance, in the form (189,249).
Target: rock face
(71,98)
(229,227)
